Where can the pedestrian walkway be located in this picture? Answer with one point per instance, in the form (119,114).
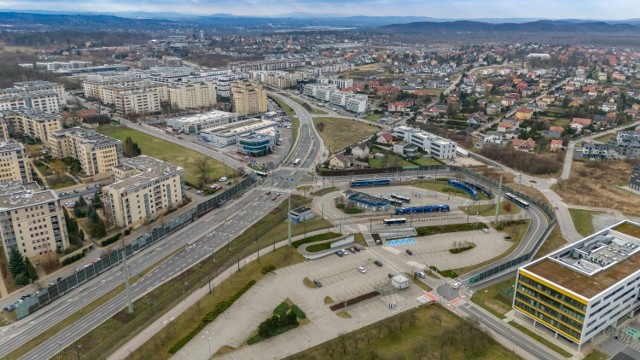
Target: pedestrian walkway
(416,264)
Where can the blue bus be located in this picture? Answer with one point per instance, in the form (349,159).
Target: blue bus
(464,187)
(398,221)
(422,209)
(370,182)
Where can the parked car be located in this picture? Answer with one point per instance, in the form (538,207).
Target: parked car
(362,270)
(409,252)
(9,307)
(357,248)
(377,262)
(188,188)
(508,237)
(318,283)
(339,253)
(456,285)
(223,179)
(352,250)
(390,275)
(199,192)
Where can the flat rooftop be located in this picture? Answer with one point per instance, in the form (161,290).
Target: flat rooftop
(15,194)
(240,127)
(592,265)
(366,198)
(150,170)
(205,117)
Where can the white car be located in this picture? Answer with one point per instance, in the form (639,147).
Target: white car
(224,178)
(456,285)
(362,270)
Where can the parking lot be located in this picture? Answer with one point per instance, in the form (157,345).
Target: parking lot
(340,281)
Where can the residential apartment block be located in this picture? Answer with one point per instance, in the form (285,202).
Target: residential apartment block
(356,103)
(31,123)
(43,86)
(144,188)
(585,287)
(195,123)
(13,99)
(14,164)
(98,154)
(248,97)
(32,221)
(278,79)
(434,145)
(634,183)
(192,96)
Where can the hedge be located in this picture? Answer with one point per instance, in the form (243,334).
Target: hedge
(318,247)
(267,269)
(320,237)
(212,315)
(110,240)
(72,259)
(461,249)
(441,229)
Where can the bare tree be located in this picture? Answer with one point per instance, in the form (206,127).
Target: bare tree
(201,164)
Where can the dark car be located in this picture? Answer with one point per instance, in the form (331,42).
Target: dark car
(339,253)
(409,252)
(390,275)
(508,237)
(9,307)
(352,250)
(318,283)
(357,248)
(378,262)
(59,279)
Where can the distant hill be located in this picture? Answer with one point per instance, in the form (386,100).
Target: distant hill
(541,26)
(79,22)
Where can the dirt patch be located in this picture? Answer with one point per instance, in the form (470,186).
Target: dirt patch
(509,180)
(123,317)
(496,306)
(598,184)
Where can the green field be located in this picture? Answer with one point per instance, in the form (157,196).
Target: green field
(169,152)
(506,208)
(338,133)
(582,220)
(427,332)
(373,117)
(496,298)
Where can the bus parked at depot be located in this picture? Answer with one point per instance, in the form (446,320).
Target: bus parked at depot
(398,221)
(401,198)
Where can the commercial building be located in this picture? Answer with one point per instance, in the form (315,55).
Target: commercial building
(196,123)
(585,287)
(248,97)
(31,123)
(225,135)
(14,163)
(144,188)
(32,221)
(434,145)
(98,154)
(634,183)
(192,96)
(301,214)
(257,144)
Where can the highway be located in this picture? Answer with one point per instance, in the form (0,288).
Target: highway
(191,245)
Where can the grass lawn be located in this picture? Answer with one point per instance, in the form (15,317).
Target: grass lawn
(169,152)
(389,160)
(506,208)
(582,220)
(554,241)
(427,162)
(540,339)
(427,332)
(373,117)
(497,298)
(596,355)
(561,122)
(324,191)
(339,133)
(61,182)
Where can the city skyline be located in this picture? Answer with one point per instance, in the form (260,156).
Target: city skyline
(455,9)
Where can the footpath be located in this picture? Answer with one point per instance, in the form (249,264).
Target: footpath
(146,334)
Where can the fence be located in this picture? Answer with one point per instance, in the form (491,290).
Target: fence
(83,274)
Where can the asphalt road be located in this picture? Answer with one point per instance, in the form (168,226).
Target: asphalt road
(191,245)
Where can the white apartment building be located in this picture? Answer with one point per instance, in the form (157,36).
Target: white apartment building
(144,188)
(580,290)
(196,123)
(98,154)
(43,86)
(338,98)
(32,221)
(434,145)
(32,123)
(14,163)
(357,103)
(192,96)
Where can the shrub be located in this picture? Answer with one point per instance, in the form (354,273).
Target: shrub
(72,259)
(299,313)
(281,309)
(110,240)
(461,249)
(267,269)
(127,231)
(318,247)
(320,237)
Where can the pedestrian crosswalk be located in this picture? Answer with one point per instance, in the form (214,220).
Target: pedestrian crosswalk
(416,264)
(428,297)
(392,250)
(457,302)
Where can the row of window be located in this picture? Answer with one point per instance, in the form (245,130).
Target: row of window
(550,311)
(546,319)
(551,302)
(553,293)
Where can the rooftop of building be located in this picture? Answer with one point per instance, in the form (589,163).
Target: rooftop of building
(366,198)
(10,145)
(150,170)
(15,194)
(595,263)
(204,117)
(240,127)
(300,210)
(31,113)
(87,136)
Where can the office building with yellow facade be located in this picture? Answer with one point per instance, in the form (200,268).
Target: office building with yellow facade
(97,153)
(585,287)
(144,188)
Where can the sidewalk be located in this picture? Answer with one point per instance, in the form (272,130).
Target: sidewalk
(165,319)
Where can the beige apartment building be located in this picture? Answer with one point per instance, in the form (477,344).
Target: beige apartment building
(249,97)
(92,86)
(192,96)
(14,164)
(43,86)
(32,123)
(98,154)
(32,221)
(144,188)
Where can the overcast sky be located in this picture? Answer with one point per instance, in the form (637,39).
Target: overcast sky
(557,9)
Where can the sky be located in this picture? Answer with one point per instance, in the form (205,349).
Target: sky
(449,9)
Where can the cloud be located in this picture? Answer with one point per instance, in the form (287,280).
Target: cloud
(585,9)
